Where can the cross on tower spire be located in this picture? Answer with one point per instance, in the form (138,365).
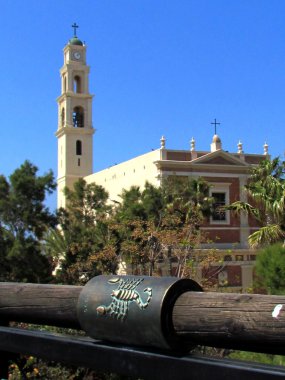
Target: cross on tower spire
(74,26)
(215,123)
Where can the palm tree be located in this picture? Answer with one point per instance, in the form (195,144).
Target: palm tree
(266,191)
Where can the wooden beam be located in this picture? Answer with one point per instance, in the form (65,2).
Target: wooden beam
(246,321)
(251,321)
(40,304)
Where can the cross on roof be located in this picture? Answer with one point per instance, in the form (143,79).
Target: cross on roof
(74,26)
(215,123)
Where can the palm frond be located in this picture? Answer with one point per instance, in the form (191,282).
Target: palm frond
(266,235)
(57,241)
(240,206)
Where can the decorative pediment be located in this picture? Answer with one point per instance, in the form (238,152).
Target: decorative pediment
(219,157)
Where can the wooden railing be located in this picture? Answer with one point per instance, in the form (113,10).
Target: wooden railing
(248,322)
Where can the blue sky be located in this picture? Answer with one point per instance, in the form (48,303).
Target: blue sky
(158,67)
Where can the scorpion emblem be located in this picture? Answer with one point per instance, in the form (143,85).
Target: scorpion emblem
(123,296)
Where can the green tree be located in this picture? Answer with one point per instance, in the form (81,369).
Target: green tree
(159,223)
(129,225)
(187,204)
(270,269)
(23,221)
(187,197)
(81,244)
(266,191)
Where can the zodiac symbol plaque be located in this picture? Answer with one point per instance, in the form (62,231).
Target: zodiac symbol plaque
(122,296)
(132,310)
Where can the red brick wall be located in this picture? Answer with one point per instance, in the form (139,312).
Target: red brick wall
(178,156)
(234,275)
(254,159)
(222,235)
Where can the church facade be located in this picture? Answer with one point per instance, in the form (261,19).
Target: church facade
(226,172)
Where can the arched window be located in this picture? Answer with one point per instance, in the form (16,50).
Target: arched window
(62,117)
(78,148)
(78,117)
(77,84)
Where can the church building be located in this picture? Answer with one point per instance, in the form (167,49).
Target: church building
(226,172)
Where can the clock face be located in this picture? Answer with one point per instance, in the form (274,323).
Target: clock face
(76,55)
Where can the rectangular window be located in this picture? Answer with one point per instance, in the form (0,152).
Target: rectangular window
(221,194)
(219,212)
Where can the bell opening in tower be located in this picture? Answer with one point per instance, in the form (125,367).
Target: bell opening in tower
(78,117)
(77,84)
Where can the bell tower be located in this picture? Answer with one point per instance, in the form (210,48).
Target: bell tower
(75,130)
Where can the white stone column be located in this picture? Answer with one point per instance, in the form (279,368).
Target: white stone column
(247,276)
(69,111)
(244,227)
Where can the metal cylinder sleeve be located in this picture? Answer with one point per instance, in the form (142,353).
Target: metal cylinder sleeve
(134,310)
